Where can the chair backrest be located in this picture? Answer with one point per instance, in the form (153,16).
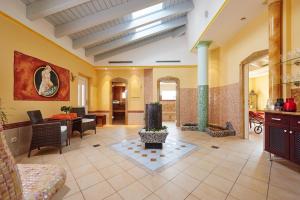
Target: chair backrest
(79,110)
(35,116)
(10,182)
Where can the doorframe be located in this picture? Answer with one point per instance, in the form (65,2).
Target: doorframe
(251,58)
(86,83)
(118,80)
(177,81)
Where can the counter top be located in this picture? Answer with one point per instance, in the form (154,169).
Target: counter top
(282,112)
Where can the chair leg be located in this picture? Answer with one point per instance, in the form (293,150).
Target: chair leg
(39,148)
(95,130)
(29,153)
(60,150)
(67,142)
(81,134)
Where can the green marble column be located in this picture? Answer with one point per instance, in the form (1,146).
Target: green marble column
(202,107)
(203,84)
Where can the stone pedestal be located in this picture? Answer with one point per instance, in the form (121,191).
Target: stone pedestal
(153,139)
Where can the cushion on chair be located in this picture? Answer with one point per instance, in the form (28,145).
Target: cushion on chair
(10,183)
(63,129)
(86,120)
(40,181)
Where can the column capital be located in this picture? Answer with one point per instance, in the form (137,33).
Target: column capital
(203,43)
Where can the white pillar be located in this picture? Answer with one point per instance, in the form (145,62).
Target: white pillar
(202,72)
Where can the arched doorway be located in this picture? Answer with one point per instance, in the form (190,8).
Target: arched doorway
(244,92)
(170,80)
(118,112)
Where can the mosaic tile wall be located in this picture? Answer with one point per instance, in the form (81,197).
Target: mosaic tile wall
(224,105)
(188,105)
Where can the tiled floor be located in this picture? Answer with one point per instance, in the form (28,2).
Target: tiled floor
(154,159)
(239,169)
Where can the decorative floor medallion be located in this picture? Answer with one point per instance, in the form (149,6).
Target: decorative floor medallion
(154,159)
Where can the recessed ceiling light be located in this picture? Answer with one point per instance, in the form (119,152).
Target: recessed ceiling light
(243,18)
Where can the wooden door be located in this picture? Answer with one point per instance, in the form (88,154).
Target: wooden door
(295,145)
(278,140)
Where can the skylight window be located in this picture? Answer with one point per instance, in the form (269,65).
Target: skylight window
(142,28)
(147,11)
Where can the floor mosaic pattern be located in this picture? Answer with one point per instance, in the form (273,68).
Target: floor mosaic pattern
(154,159)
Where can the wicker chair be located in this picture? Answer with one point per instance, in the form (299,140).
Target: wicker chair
(47,133)
(84,122)
(27,181)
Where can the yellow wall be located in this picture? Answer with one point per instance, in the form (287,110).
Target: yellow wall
(16,37)
(187,77)
(135,80)
(254,37)
(260,85)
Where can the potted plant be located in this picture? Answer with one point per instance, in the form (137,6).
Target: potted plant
(66,109)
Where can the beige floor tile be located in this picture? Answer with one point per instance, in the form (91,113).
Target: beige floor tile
(126,165)
(76,196)
(229,174)
(89,180)
(253,184)
(203,164)
(196,172)
(276,193)
(243,193)
(171,191)
(259,172)
(135,191)
(219,183)
(180,165)
(111,171)
(137,172)
(83,170)
(98,191)
(186,182)
(192,197)
(206,192)
(152,197)
(100,164)
(153,182)
(120,181)
(115,196)
(231,198)
(169,173)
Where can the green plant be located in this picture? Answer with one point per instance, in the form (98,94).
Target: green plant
(157,129)
(66,109)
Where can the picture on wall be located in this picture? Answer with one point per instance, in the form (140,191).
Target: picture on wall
(38,80)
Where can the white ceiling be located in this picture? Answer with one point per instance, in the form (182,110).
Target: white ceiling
(106,21)
(228,22)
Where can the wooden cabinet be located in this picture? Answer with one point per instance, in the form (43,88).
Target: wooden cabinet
(282,135)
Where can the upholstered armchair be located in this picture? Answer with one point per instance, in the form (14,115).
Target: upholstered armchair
(84,122)
(47,132)
(27,181)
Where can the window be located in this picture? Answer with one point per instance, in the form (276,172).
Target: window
(147,11)
(142,28)
(82,92)
(168,95)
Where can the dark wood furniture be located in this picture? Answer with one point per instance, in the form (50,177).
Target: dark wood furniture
(282,135)
(84,122)
(47,132)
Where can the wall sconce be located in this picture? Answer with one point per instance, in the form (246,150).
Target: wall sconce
(73,77)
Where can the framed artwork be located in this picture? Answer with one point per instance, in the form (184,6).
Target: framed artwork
(38,80)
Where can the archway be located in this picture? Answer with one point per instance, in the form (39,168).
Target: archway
(169,79)
(116,82)
(244,64)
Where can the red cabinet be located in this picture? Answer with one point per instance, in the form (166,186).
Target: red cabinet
(282,135)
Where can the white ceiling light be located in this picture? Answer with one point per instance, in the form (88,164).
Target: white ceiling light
(148,26)
(147,11)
